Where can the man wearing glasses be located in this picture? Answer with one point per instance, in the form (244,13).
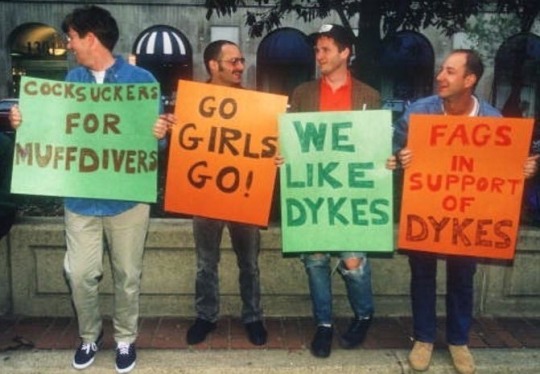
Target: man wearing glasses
(225,64)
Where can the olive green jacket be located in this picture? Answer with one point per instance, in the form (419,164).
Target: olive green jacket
(305,97)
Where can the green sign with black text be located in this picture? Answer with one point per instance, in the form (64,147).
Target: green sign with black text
(87,140)
(336,194)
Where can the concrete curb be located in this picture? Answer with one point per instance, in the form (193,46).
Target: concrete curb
(492,361)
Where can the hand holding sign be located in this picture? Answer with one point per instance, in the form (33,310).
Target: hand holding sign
(221,155)
(78,136)
(336,194)
(462,193)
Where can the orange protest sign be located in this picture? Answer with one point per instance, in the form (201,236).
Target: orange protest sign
(462,192)
(221,158)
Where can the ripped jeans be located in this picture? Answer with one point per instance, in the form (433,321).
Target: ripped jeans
(357,282)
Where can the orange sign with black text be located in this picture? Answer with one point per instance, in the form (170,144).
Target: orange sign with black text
(462,192)
(221,157)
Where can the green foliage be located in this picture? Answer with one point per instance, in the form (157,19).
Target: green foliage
(449,16)
(488,31)
(376,19)
(525,10)
(39,206)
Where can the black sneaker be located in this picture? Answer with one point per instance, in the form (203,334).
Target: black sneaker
(85,354)
(199,330)
(322,342)
(356,333)
(256,332)
(126,357)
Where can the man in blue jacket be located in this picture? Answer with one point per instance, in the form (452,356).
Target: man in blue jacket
(92,34)
(456,81)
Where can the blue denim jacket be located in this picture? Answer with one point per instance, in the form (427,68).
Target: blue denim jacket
(430,105)
(119,72)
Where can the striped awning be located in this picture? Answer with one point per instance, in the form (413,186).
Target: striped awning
(163,43)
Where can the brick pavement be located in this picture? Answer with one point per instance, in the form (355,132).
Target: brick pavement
(284,333)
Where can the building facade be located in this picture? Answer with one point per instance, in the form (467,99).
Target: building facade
(169,36)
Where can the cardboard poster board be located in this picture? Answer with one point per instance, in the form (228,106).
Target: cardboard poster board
(462,192)
(87,140)
(336,194)
(221,158)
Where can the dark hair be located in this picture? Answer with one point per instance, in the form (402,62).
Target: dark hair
(473,63)
(341,36)
(95,20)
(213,52)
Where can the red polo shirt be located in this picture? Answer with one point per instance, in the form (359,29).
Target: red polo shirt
(341,99)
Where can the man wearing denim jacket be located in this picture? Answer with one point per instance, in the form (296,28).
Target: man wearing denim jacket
(336,90)
(92,34)
(456,81)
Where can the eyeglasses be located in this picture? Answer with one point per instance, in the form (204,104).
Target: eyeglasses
(235,61)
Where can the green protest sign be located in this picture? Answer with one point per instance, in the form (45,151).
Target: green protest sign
(336,194)
(87,140)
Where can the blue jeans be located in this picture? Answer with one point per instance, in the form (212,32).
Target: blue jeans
(357,282)
(459,297)
(246,244)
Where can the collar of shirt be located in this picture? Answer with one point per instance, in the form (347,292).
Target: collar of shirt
(340,99)
(474,111)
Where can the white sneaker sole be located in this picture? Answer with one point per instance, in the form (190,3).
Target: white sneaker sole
(85,365)
(126,370)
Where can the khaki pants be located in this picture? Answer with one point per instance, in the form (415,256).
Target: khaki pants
(83,264)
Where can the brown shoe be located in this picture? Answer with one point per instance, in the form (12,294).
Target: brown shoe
(420,356)
(462,358)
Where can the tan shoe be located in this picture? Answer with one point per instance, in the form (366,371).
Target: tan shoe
(462,358)
(420,356)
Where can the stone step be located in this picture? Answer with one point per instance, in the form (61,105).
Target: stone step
(32,283)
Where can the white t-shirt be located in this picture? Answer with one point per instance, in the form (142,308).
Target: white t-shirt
(99,75)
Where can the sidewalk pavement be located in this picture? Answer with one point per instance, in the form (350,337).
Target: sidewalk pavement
(46,345)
